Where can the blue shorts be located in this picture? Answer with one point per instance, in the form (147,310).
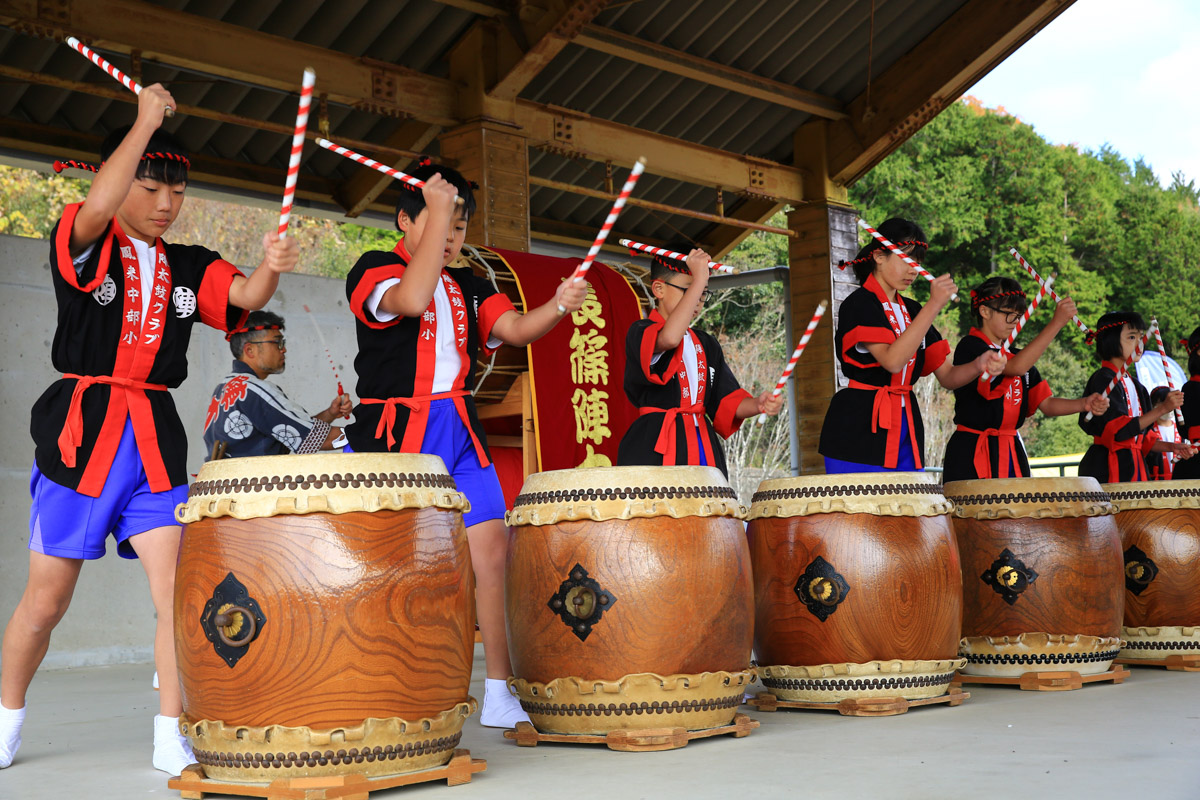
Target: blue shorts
(67,524)
(904,458)
(448,438)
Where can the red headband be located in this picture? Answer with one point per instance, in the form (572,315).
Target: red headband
(978,301)
(853,261)
(1091,335)
(1191,349)
(59,166)
(250,328)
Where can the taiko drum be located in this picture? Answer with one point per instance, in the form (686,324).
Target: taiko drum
(858,591)
(1042,575)
(1160,533)
(628,599)
(324,616)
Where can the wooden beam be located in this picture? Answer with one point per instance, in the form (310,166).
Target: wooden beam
(721,239)
(547,30)
(179,39)
(483,9)
(358,193)
(582,236)
(934,74)
(677,62)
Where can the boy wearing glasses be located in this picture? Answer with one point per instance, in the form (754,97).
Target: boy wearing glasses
(988,414)
(677,376)
(250,416)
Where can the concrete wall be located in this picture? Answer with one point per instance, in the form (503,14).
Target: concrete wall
(111,618)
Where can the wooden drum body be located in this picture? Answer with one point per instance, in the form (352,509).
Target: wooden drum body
(1160,534)
(324,616)
(858,591)
(1042,575)
(628,599)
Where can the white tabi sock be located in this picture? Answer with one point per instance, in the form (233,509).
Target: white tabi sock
(501,709)
(11,720)
(172,752)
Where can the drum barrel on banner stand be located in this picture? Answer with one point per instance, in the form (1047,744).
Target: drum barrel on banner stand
(858,591)
(1043,588)
(1160,533)
(324,616)
(628,599)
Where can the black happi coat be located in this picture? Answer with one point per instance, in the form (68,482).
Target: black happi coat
(392,362)
(998,407)
(1119,445)
(656,390)
(1189,468)
(863,421)
(100,334)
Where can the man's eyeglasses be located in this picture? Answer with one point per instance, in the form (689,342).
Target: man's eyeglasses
(281,342)
(704,296)
(1010,317)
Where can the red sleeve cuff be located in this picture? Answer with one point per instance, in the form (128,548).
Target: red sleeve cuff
(62,250)
(1039,393)
(1148,441)
(370,279)
(935,355)
(864,335)
(490,310)
(1109,435)
(213,297)
(646,352)
(726,422)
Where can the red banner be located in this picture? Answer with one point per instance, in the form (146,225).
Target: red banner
(577,370)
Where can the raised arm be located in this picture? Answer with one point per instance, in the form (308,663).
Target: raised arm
(892,356)
(1022,361)
(680,318)
(520,329)
(411,296)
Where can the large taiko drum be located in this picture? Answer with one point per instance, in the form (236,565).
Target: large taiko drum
(1042,575)
(858,591)
(628,599)
(324,616)
(1160,532)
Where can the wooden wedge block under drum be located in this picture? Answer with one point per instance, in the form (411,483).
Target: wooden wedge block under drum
(858,590)
(324,616)
(628,599)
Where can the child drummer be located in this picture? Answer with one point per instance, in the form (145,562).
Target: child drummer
(885,342)
(986,443)
(1119,448)
(677,376)
(111,451)
(420,327)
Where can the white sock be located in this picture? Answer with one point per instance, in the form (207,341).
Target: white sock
(172,752)
(501,709)
(11,720)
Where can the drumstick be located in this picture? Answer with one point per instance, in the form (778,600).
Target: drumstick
(1162,351)
(289,185)
(618,204)
(98,60)
(659,251)
(373,164)
(791,365)
(924,273)
(1006,348)
(1054,295)
(328,354)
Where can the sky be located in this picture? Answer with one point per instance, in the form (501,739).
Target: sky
(1123,72)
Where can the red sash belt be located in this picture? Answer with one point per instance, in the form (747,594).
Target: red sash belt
(1008,450)
(886,413)
(666,442)
(1114,468)
(72,432)
(414,432)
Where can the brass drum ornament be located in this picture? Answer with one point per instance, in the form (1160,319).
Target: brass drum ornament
(857,585)
(628,599)
(324,616)
(1043,577)
(1160,533)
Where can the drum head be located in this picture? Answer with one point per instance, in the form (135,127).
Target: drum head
(1036,498)
(1154,495)
(891,494)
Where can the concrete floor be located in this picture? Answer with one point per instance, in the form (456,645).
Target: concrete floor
(89,730)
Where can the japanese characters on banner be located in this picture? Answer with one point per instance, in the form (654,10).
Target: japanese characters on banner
(577,370)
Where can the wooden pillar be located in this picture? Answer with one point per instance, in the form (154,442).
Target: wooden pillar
(826,233)
(497,158)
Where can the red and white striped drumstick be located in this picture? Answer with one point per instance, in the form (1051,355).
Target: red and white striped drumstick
(924,273)
(1162,351)
(373,164)
(1078,322)
(618,204)
(98,60)
(328,354)
(791,365)
(289,185)
(659,251)
(1006,348)
(1111,385)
